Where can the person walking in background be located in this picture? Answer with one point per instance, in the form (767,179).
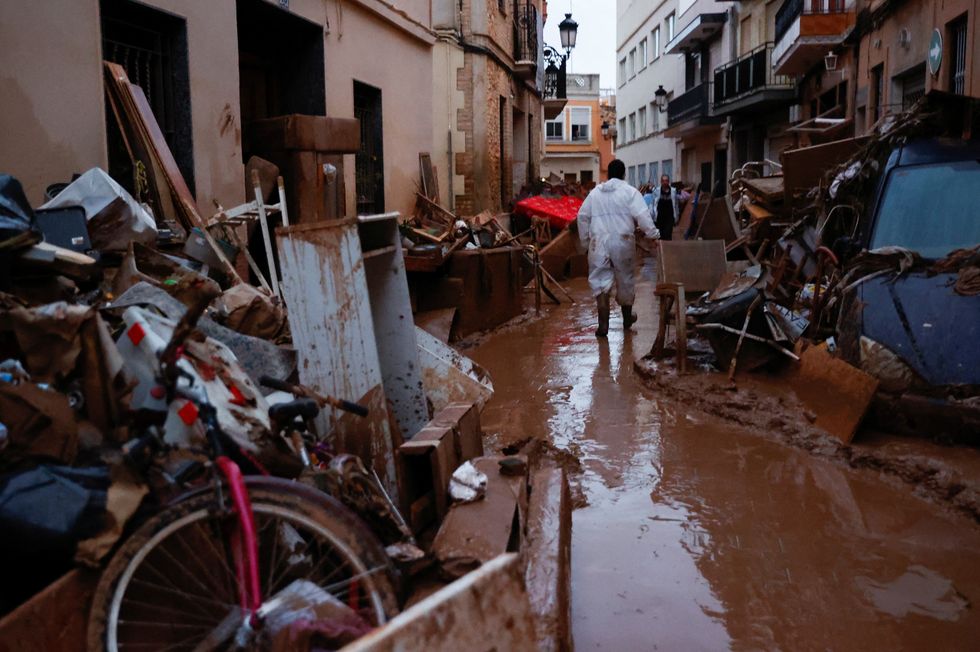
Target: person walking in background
(606,224)
(666,208)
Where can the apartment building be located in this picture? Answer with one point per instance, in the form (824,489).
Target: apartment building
(574,139)
(643,29)
(208,69)
(488,66)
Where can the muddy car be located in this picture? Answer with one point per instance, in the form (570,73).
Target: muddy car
(918,329)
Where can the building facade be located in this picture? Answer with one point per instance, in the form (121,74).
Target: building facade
(574,139)
(272,58)
(488,66)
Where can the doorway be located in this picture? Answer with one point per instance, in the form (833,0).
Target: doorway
(280,63)
(721,168)
(152,46)
(521,147)
(369,166)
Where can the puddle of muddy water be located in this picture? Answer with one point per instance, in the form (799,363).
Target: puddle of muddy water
(701,535)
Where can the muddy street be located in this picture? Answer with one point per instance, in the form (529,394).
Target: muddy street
(701,535)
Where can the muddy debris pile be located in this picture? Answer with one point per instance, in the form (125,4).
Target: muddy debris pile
(849,268)
(262,446)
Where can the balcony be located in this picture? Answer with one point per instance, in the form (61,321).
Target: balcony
(807,29)
(749,83)
(688,113)
(526,49)
(702,29)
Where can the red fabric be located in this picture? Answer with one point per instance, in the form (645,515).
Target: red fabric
(559,211)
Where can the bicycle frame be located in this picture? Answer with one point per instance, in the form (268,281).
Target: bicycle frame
(244,542)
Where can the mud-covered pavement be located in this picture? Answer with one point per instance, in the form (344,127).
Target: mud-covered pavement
(700,534)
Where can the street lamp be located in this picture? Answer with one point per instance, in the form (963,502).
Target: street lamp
(830,61)
(568,29)
(660,98)
(554,73)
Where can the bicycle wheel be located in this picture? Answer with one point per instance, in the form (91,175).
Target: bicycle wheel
(172,583)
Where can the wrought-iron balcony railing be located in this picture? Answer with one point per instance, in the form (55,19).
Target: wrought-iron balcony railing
(792,9)
(526,33)
(692,104)
(750,73)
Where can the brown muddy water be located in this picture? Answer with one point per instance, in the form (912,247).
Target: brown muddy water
(701,535)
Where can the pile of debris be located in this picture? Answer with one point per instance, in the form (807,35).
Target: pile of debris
(129,336)
(872,328)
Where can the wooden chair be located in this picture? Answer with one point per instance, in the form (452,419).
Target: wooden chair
(684,266)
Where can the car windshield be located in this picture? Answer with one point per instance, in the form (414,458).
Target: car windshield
(932,209)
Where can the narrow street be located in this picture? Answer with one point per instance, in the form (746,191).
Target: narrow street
(700,535)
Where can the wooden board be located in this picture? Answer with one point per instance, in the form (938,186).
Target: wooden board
(836,392)
(698,264)
(769,189)
(718,222)
(804,168)
(428,177)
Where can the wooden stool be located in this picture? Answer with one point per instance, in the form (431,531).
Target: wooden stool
(671,295)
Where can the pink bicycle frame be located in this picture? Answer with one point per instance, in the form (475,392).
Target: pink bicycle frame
(245,545)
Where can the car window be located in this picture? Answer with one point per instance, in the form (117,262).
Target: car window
(932,209)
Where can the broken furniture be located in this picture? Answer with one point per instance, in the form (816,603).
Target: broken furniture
(309,150)
(335,339)
(685,266)
(226,221)
(391,314)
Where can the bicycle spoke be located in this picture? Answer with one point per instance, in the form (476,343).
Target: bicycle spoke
(187,596)
(147,566)
(191,615)
(229,575)
(163,550)
(205,572)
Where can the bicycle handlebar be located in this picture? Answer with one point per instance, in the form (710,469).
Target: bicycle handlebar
(305,392)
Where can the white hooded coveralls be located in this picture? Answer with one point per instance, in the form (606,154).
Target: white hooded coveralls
(606,222)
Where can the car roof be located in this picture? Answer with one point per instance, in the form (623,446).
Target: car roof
(937,150)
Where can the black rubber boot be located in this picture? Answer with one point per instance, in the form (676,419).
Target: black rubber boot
(628,317)
(602,302)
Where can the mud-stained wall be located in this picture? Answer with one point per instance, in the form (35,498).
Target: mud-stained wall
(44,135)
(52,115)
(364,47)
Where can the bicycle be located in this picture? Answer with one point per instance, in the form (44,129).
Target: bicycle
(214,566)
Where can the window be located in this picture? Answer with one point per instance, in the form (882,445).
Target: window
(957,51)
(912,86)
(654,177)
(621,132)
(580,119)
(641,53)
(585,176)
(654,118)
(631,175)
(667,167)
(877,92)
(641,122)
(632,127)
(910,195)
(555,129)
(632,66)
(641,174)
(622,71)
(670,27)
(655,42)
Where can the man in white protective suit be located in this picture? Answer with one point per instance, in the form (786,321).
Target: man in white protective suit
(606,225)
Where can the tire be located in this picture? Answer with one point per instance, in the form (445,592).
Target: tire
(192,527)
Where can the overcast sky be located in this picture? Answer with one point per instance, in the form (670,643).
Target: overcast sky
(595,48)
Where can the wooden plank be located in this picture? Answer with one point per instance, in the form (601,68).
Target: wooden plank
(697,264)
(487,609)
(836,392)
(718,222)
(54,619)
(428,177)
(803,168)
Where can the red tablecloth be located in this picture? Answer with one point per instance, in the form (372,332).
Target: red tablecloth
(559,211)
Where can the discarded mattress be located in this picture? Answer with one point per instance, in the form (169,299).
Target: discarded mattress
(559,211)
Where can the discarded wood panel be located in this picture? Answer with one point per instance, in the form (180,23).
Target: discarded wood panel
(325,286)
(391,312)
(836,392)
(437,323)
(474,533)
(483,611)
(428,177)
(425,465)
(803,168)
(549,558)
(554,256)
(492,289)
(768,189)
(697,264)
(65,602)
(450,377)
(464,419)
(304,132)
(718,222)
